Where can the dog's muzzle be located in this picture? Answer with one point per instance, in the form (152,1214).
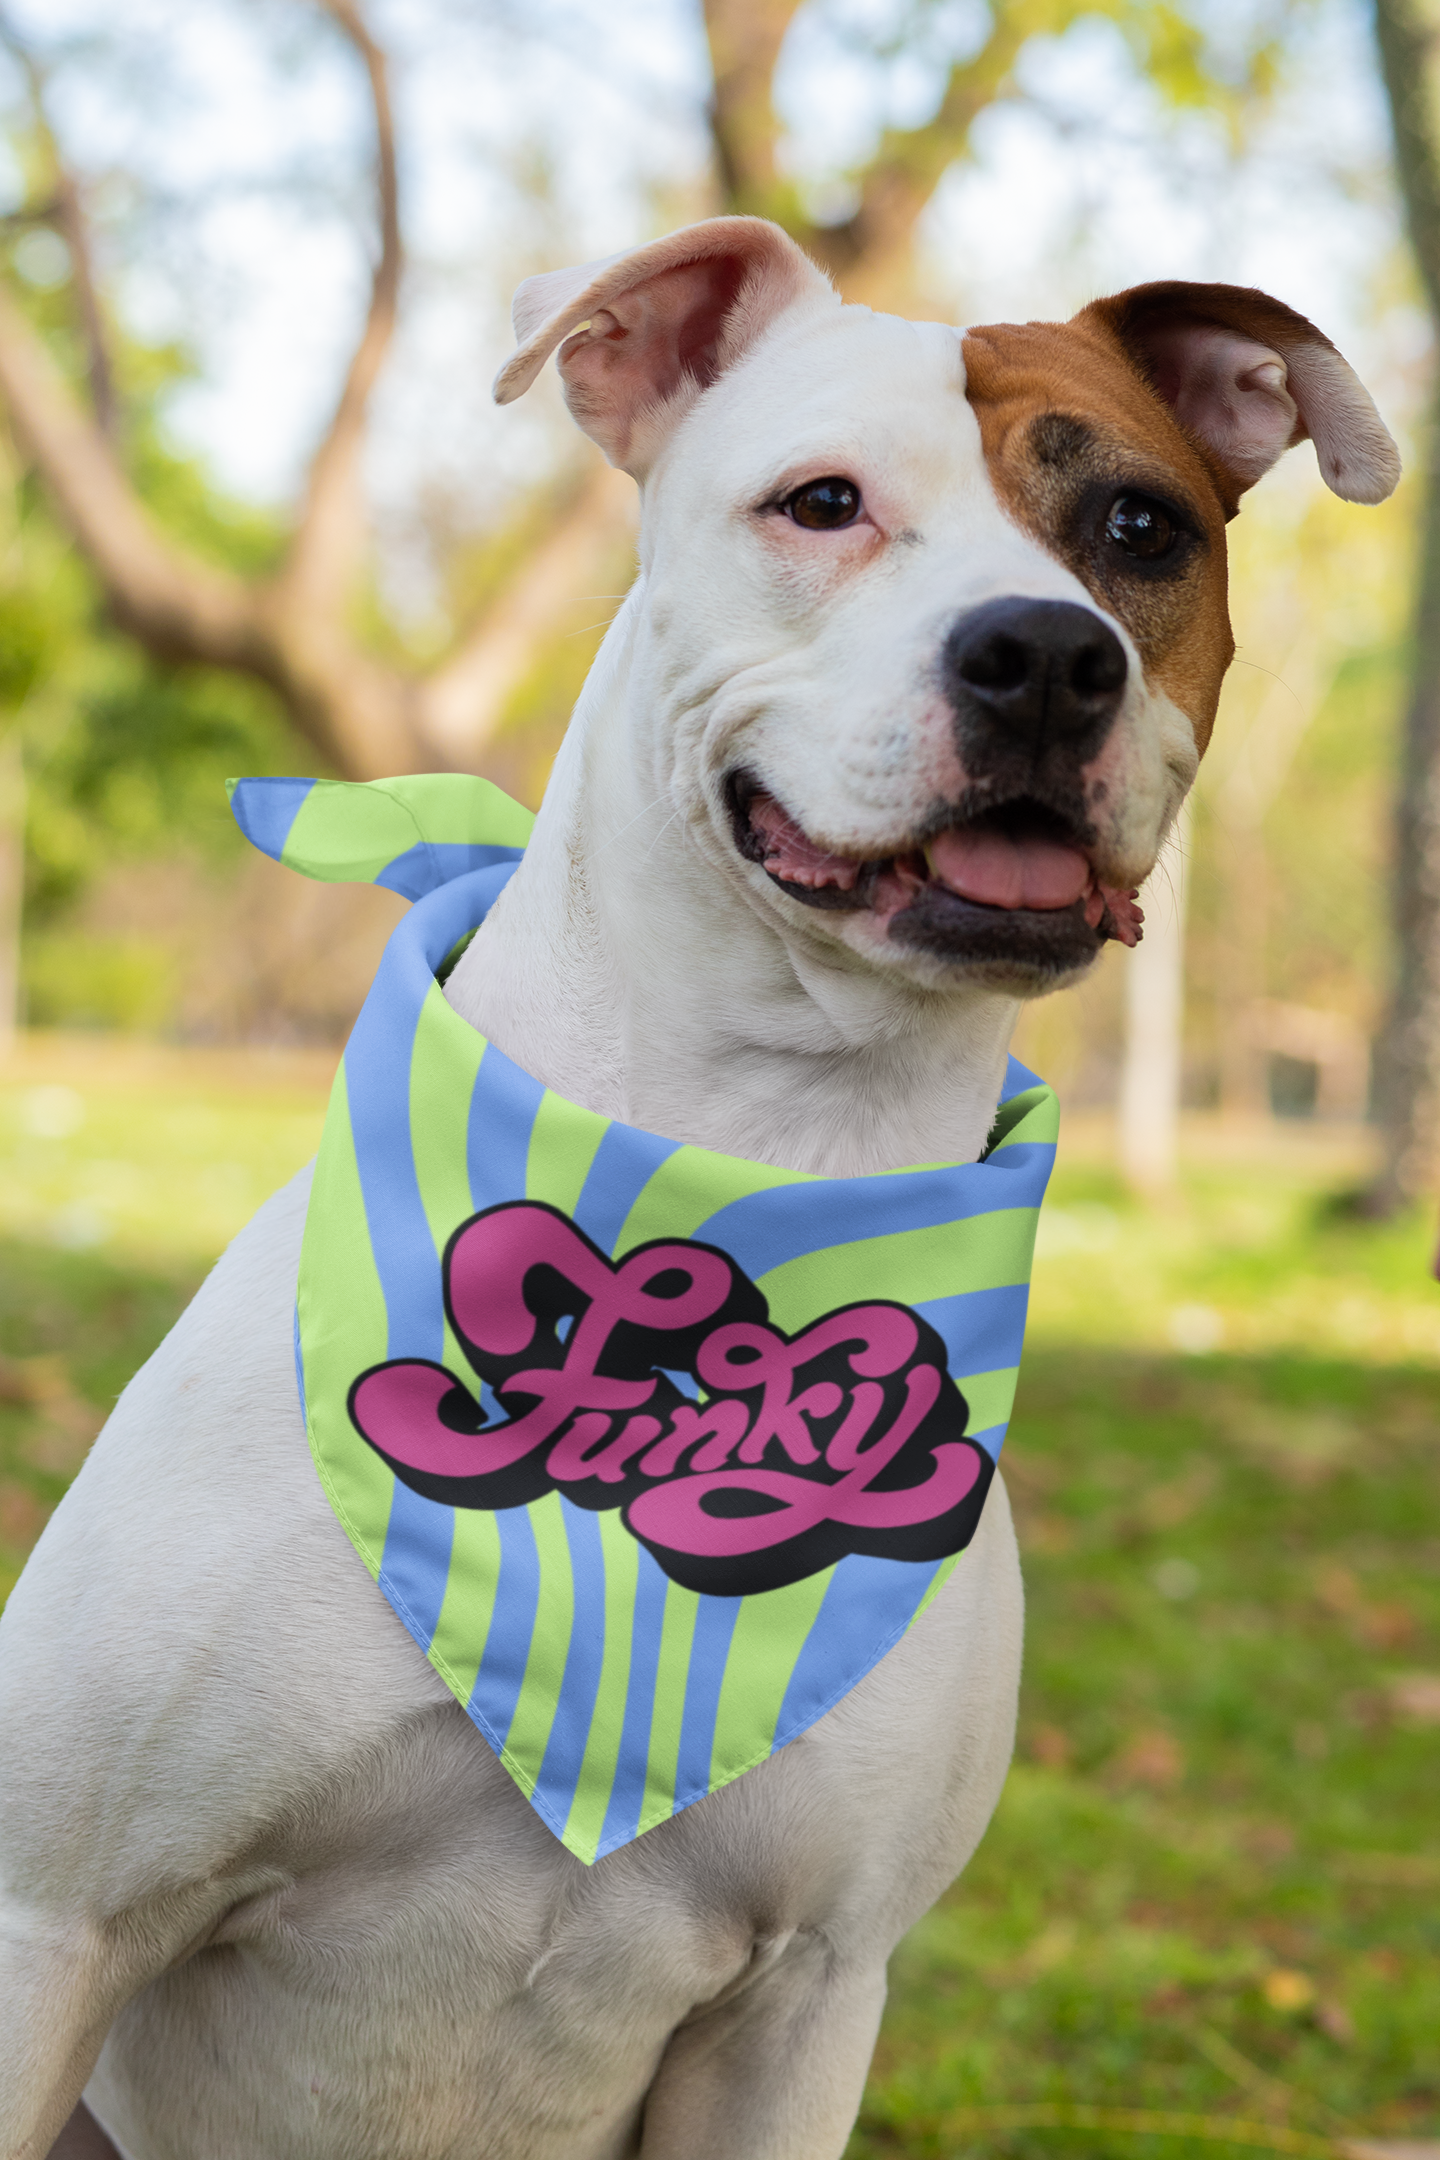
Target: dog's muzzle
(1035,686)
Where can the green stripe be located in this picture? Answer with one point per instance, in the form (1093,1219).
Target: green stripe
(563,1141)
(689,1187)
(341,1327)
(469,1602)
(677,1635)
(602,1749)
(991,1396)
(549,1645)
(987,1252)
(444,1066)
(1032,1115)
(352,829)
(942,1575)
(770,1634)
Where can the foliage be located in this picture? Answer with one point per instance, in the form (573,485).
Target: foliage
(133,766)
(125,756)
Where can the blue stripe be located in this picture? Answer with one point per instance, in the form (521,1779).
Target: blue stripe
(991,1438)
(714,1626)
(431,863)
(1018,1078)
(416,1562)
(865,1610)
(512,1623)
(575,1705)
(377,1076)
(265,810)
(624,1164)
(765,1229)
(300,1370)
(627,1794)
(981,1329)
(497,1135)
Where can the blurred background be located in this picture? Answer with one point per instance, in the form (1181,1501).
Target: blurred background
(258,514)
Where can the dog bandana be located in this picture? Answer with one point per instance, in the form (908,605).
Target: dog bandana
(655,1452)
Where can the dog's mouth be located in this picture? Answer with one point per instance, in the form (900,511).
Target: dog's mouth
(1013,884)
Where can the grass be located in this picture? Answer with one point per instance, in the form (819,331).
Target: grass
(124,1171)
(1212,1888)
(1210,1900)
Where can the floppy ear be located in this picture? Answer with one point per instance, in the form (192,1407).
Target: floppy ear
(1249,377)
(645,331)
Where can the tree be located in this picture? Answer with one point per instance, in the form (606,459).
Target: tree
(1408,1049)
(292,627)
(289,628)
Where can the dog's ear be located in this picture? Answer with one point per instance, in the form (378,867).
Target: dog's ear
(645,331)
(1249,377)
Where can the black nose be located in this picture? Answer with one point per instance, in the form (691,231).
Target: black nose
(1042,671)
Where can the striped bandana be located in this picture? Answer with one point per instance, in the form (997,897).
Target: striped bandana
(655,1452)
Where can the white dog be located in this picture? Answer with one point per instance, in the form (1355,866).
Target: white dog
(924,649)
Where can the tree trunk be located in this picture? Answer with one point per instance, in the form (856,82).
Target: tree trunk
(1154,1025)
(1407,1053)
(1244,787)
(12,881)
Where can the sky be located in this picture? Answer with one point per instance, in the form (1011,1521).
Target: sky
(228,146)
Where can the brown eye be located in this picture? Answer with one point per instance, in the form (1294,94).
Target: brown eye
(824,505)
(1142,527)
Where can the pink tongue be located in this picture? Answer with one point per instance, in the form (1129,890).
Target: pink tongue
(1004,873)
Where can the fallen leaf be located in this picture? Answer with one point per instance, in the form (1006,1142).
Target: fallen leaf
(1391,2148)
(1416,1695)
(1050,1948)
(1387,1626)
(1151,1758)
(1335,2021)
(1287,1990)
(1270,1841)
(1338,1589)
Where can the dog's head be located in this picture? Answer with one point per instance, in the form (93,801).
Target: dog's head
(933,624)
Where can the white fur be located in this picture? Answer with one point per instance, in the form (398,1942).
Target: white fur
(246,1830)
(636,960)
(239,1801)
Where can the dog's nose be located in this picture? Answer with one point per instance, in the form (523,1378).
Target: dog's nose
(1042,671)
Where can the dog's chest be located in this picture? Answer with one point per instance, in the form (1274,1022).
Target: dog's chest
(431,1943)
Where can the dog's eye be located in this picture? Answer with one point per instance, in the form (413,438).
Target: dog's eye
(1140,526)
(822,505)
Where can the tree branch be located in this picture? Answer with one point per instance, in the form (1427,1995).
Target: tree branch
(356,712)
(70,218)
(909,164)
(290,634)
(67,214)
(1407,53)
(329,536)
(463,701)
(177,607)
(1407,1048)
(745,40)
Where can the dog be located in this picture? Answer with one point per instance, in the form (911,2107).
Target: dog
(924,648)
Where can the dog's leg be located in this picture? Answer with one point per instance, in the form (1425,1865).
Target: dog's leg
(59,1994)
(122,1840)
(776,2072)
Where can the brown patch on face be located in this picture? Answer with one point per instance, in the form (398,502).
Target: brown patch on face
(1069,425)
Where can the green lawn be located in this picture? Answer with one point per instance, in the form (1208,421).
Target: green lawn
(1213,1885)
